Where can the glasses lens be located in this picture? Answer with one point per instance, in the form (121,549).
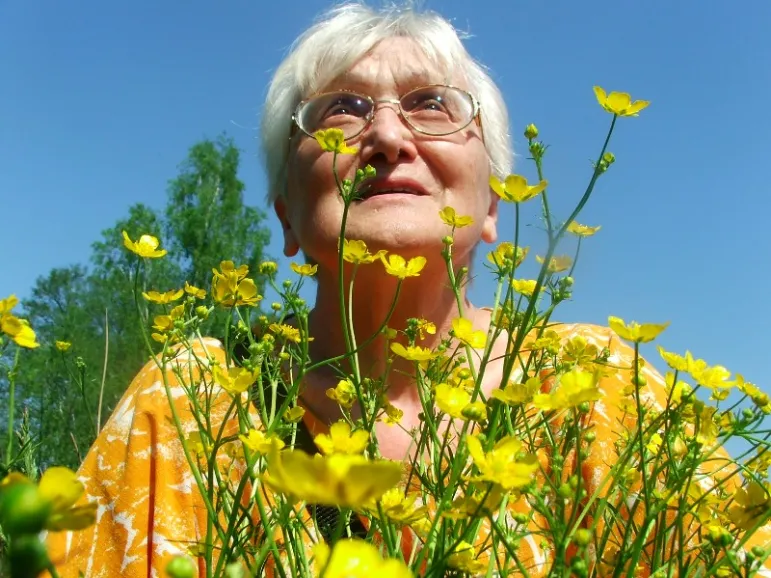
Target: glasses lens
(438,110)
(344,110)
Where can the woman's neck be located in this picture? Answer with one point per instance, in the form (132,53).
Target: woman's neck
(426,297)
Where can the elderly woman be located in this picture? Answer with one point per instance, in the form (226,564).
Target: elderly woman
(433,124)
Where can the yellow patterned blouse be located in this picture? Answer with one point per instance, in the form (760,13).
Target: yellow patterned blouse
(149,508)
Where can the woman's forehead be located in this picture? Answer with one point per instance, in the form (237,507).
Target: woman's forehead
(394,64)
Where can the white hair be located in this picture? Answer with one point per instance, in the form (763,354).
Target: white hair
(343,36)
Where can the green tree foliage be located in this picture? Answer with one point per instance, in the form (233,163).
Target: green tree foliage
(204,222)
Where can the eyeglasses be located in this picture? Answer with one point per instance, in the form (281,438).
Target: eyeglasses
(434,110)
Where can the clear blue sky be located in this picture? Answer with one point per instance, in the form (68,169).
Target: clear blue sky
(99,102)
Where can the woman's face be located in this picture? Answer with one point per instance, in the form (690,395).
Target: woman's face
(451,170)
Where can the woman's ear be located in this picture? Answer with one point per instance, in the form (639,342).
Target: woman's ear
(291,246)
(490,225)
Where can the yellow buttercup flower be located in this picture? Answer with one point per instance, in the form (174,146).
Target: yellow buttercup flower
(355,558)
(19,330)
(7,304)
(413,352)
(524,287)
(501,465)
(286,332)
(337,480)
(506,255)
(165,323)
(518,393)
(619,103)
(634,331)
(305,270)
(236,379)
(258,442)
(294,414)
(425,326)
(356,252)
(332,140)
(399,508)
(557,264)
(163,298)
(197,443)
(713,377)
(452,400)
(393,415)
(463,330)
(344,393)
(62,345)
(230,286)
(582,230)
(397,266)
(464,559)
(550,341)
(575,387)
(194,291)
(450,218)
(673,360)
(340,440)
(750,505)
(229,269)
(579,351)
(56,495)
(146,246)
(515,188)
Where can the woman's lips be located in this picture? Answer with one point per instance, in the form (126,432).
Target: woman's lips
(392,186)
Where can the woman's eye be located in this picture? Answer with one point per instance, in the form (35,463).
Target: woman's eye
(427,102)
(347,106)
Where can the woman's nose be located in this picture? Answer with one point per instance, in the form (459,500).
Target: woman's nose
(388,135)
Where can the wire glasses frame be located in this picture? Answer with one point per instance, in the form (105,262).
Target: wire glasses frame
(405,115)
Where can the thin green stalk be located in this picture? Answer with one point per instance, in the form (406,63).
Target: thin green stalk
(11,402)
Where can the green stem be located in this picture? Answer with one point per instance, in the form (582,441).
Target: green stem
(11,402)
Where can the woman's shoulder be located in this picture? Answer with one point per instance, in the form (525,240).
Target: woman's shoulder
(161,377)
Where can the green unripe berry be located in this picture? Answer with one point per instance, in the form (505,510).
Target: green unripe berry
(180,567)
(583,537)
(23,510)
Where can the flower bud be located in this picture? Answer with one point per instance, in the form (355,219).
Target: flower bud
(531,132)
(27,557)
(447,240)
(583,537)
(609,158)
(287,284)
(565,491)
(276,306)
(180,567)
(268,267)
(23,510)
(369,171)
(475,411)
(590,436)
(202,312)
(520,518)
(719,537)
(579,567)
(639,380)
